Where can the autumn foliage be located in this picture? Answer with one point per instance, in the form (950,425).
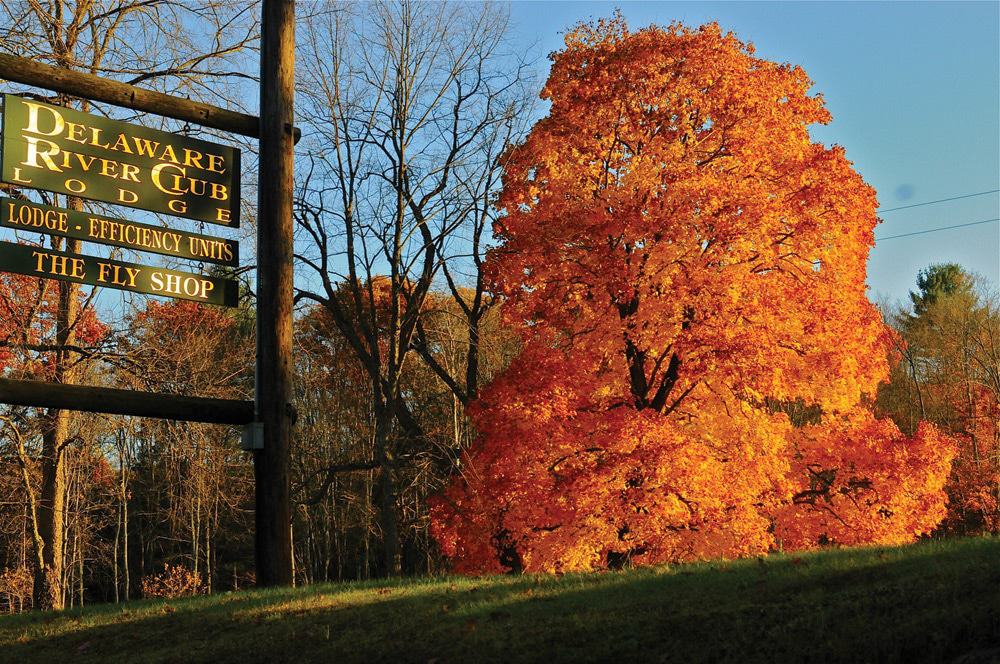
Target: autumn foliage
(858,480)
(28,312)
(681,260)
(174,581)
(947,370)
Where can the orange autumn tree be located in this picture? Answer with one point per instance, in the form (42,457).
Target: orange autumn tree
(28,312)
(681,260)
(858,480)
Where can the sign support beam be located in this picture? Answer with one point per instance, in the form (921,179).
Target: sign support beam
(273,545)
(95,88)
(40,394)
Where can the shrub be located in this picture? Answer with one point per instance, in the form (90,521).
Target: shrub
(173,581)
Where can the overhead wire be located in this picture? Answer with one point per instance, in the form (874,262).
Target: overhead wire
(935,230)
(940,200)
(941,228)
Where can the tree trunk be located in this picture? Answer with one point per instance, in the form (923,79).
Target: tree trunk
(51,512)
(48,590)
(387,496)
(125,549)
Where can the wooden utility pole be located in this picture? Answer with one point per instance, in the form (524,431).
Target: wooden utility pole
(274,294)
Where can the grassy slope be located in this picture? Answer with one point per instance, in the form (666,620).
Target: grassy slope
(931,602)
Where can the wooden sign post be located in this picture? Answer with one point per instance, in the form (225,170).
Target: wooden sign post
(59,149)
(273,542)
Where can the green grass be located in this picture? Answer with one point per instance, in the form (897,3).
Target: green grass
(933,602)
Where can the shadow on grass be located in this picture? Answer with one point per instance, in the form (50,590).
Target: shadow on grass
(929,603)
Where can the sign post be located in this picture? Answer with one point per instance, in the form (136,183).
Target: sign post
(85,156)
(274,409)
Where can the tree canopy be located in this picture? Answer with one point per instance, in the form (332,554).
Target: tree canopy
(682,261)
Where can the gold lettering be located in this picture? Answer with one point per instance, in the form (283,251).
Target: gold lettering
(59,265)
(219,192)
(168,154)
(215,164)
(36,217)
(109,168)
(118,275)
(222,215)
(177,205)
(206,288)
(78,188)
(74,132)
(58,123)
(193,158)
(108,272)
(173,284)
(144,146)
(176,240)
(34,154)
(130,172)
(18,177)
(177,184)
(121,145)
(95,138)
(85,161)
(63,266)
(155,175)
(127,196)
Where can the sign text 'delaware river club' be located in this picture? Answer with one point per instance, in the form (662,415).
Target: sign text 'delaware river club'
(78,154)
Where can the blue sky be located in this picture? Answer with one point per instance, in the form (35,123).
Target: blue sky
(914,89)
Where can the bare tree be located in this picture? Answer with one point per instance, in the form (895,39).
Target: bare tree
(405,108)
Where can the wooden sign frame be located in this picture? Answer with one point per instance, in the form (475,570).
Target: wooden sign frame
(272,411)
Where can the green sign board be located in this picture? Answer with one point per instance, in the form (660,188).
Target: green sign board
(69,152)
(50,264)
(37,218)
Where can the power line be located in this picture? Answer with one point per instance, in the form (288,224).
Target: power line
(935,230)
(940,200)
